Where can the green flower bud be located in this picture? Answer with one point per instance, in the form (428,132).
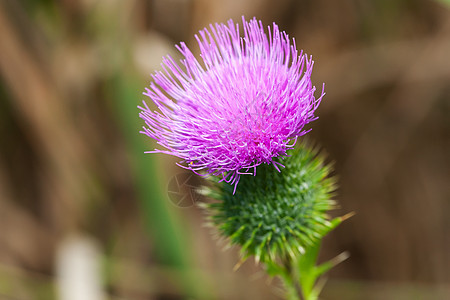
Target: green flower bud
(276,215)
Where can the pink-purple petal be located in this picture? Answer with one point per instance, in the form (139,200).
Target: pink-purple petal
(244,103)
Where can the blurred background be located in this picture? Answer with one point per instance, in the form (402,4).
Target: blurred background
(84,210)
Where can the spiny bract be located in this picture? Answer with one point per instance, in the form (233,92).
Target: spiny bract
(276,215)
(244,104)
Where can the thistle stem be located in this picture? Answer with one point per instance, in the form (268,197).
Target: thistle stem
(291,280)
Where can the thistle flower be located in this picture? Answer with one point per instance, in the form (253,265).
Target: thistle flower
(244,104)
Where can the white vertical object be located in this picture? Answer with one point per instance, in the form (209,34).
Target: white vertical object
(78,269)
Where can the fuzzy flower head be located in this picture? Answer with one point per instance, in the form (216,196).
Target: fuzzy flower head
(244,103)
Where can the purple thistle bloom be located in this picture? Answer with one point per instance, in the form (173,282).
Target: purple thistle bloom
(244,104)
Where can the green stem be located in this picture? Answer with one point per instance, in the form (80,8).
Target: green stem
(291,281)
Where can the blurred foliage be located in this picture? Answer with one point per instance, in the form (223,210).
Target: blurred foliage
(447,2)
(71,159)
